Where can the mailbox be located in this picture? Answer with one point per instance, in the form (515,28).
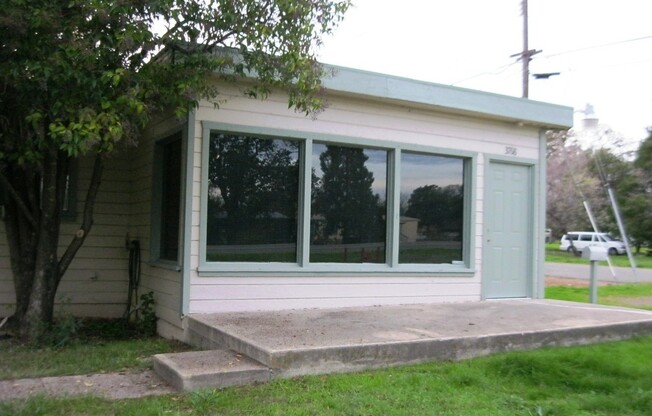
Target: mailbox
(594,253)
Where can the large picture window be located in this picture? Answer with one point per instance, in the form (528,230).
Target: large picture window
(304,204)
(349,204)
(253,191)
(432,209)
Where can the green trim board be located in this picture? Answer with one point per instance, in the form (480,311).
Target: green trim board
(186,209)
(303,266)
(447,98)
(539,231)
(178,132)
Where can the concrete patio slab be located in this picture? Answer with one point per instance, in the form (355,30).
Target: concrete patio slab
(296,342)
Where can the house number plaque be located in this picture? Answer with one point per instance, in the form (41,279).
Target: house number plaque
(510,150)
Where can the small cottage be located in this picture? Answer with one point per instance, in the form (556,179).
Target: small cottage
(400,192)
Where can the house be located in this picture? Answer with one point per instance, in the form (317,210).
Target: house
(400,192)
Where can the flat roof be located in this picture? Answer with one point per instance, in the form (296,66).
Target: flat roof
(447,98)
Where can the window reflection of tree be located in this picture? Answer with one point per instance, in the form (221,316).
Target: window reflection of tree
(345,210)
(253,190)
(439,210)
(432,209)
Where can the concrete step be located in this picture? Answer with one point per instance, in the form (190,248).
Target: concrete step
(204,333)
(194,370)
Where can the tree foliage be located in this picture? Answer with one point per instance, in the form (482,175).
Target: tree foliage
(639,205)
(83,77)
(644,159)
(576,175)
(570,183)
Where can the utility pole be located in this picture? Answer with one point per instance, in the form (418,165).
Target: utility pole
(526,55)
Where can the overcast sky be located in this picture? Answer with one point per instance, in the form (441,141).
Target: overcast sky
(602,48)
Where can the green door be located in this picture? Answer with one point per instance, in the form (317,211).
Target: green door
(507,231)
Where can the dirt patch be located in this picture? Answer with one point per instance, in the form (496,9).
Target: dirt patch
(111,386)
(568,282)
(634,302)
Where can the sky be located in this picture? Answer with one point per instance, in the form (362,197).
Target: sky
(601,48)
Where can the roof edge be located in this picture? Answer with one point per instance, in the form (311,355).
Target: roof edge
(447,98)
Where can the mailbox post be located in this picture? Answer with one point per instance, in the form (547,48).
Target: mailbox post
(594,254)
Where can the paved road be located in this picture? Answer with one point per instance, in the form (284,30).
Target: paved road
(583,271)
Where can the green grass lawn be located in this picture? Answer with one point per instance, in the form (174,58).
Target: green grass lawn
(634,295)
(98,346)
(81,357)
(554,255)
(606,379)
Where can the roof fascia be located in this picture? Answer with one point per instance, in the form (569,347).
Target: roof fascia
(447,98)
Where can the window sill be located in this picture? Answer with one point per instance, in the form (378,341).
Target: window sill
(168,265)
(327,269)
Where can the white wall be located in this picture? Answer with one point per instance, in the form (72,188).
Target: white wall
(350,118)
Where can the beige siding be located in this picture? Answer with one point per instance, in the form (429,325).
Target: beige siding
(349,118)
(96,283)
(164,282)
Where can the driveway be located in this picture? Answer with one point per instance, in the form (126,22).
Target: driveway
(583,271)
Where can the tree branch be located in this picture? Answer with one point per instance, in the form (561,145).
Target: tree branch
(87,220)
(18,200)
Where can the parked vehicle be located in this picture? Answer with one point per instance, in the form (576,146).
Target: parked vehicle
(581,239)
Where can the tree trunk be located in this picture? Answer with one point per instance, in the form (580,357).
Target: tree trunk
(21,229)
(40,308)
(33,223)
(22,240)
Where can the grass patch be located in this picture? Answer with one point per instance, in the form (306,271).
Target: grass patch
(555,255)
(99,346)
(613,295)
(606,379)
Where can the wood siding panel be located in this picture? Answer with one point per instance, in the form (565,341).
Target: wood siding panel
(325,290)
(280,304)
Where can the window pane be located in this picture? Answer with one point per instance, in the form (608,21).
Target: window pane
(348,204)
(253,191)
(170,199)
(432,209)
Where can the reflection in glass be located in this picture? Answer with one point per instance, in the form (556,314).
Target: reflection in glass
(348,205)
(253,190)
(432,209)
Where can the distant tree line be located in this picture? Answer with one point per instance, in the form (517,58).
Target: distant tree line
(576,175)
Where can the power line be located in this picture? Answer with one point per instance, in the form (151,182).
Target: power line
(503,68)
(495,71)
(604,45)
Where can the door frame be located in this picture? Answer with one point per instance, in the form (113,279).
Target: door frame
(536,227)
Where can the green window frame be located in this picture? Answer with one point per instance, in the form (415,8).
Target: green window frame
(461,264)
(167,205)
